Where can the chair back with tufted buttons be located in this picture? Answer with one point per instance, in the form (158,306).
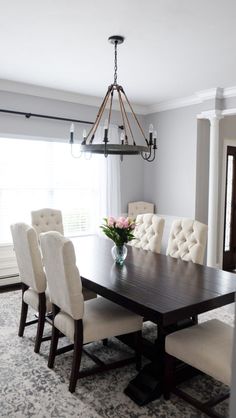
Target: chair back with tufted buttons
(148,232)
(44,220)
(138,208)
(63,276)
(187,240)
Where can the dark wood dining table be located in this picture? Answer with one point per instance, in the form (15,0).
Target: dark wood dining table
(162,289)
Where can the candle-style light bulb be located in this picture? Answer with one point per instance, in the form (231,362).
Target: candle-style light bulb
(72,128)
(84,133)
(155,135)
(106,124)
(122,138)
(150,134)
(151,128)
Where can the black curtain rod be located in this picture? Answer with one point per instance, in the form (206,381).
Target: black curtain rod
(38,115)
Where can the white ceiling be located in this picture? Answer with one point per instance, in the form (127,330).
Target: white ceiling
(173,48)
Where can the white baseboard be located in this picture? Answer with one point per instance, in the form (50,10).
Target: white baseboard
(5,281)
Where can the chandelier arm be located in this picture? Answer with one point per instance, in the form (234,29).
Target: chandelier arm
(127,119)
(135,117)
(150,160)
(122,115)
(146,155)
(143,156)
(98,118)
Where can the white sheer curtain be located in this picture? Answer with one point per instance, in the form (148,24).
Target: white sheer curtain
(108,177)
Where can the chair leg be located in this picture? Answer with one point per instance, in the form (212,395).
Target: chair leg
(41,322)
(78,344)
(105,342)
(169,375)
(23,316)
(24,311)
(138,350)
(54,339)
(195,319)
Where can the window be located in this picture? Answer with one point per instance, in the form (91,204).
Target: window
(36,174)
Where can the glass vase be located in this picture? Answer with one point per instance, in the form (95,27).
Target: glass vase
(119,253)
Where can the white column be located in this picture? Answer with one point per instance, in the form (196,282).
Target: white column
(213,192)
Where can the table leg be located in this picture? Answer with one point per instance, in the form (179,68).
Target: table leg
(148,384)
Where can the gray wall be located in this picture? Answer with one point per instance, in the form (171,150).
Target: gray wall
(228,128)
(12,125)
(170,182)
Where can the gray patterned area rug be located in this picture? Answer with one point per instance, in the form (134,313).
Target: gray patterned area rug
(29,389)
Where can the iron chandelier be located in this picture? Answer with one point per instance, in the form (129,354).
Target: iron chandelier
(127,144)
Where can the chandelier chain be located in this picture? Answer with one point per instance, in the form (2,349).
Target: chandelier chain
(115,64)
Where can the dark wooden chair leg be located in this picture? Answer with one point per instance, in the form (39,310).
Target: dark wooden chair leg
(54,339)
(78,344)
(24,311)
(23,316)
(53,347)
(41,322)
(195,319)
(138,350)
(169,375)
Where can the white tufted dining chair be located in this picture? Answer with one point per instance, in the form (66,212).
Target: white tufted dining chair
(81,322)
(44,220)
(187,240)
(148,232)
(138,208)
(207,347)
(32,277)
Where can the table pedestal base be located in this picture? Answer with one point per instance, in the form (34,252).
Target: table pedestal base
(146,386)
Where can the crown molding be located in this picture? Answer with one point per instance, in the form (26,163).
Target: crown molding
(229,92)
(62,95)
(173,104)
(229,112)
(199,97)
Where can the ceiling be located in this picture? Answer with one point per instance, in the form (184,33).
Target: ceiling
(173,48)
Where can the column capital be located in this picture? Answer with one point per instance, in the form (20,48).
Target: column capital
(212,115)
(215,118)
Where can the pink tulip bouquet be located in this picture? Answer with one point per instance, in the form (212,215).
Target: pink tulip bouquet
(120,230)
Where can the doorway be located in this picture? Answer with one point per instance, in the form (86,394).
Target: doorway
(229,246)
